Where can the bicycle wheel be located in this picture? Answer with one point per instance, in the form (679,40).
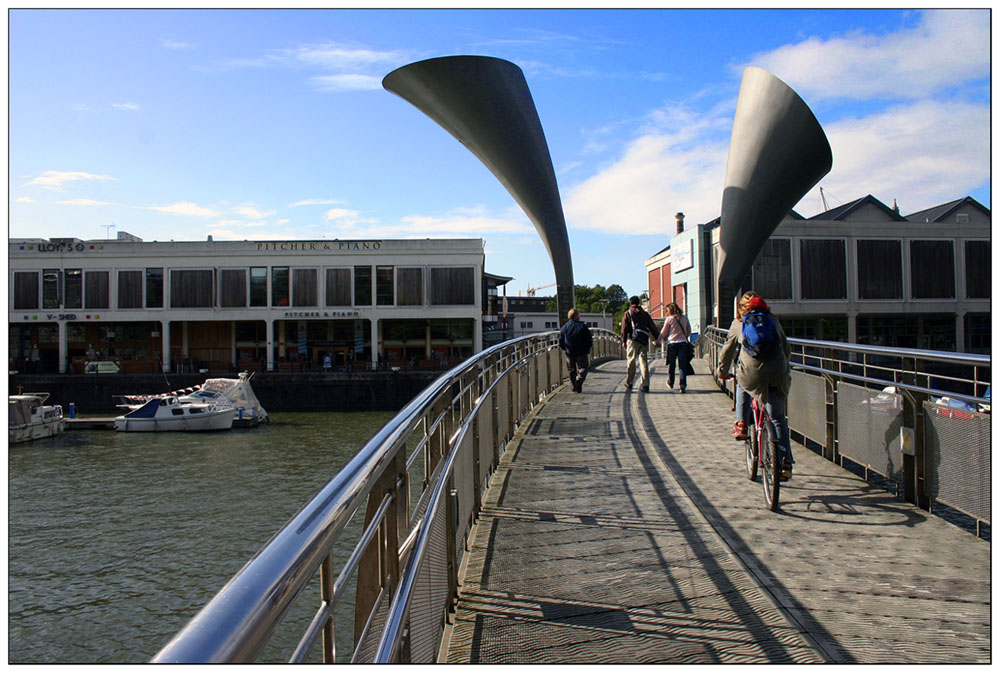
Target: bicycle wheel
(751,452)
(772,468)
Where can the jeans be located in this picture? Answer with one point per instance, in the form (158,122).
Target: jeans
(775,406)
(637,352)
(577,365)
(678,352)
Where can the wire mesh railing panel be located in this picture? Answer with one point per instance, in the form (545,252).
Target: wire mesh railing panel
(485,435)
(807,415)
(365,651)
(503,407)
(868,426)
(465,486)
(957,459)
(430,594)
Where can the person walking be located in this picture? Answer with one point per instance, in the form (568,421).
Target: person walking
(637,331)
(575,340)
(676,333)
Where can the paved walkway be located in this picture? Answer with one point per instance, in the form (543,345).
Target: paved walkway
(620,527)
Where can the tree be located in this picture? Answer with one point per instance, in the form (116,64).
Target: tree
(596,299)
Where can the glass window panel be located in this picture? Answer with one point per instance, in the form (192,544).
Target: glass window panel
(977,269)
(154,287)
(362,286)
(51,288)
(258,286)
(74,288)
(279,286)
(383,286)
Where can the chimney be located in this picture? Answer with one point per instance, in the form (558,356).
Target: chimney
(680,222)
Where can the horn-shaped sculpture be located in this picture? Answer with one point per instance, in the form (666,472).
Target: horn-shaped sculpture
(777,153)
(485,103)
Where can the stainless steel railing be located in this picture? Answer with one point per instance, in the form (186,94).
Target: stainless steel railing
(887,410)
(418,484)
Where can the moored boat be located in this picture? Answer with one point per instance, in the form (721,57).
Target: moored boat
(28,417)
(167,414)
(236,393)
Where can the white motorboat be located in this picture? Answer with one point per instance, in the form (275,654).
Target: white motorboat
(236,393)
(30,418)
(166,413)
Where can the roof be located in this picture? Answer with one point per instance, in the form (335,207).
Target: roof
(843,212)
(939,213)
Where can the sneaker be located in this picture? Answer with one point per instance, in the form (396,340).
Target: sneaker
(786,470)
(683,388)
(645,389)
(628,386)
(670,384)
(739,431)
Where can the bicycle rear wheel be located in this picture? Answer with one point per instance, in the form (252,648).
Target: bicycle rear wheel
(750,444)
(771,468)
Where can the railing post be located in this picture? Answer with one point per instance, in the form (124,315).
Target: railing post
(379,565)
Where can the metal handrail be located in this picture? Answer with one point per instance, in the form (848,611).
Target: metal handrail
(238,622)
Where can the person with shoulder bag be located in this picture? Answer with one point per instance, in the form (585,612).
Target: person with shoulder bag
(575,340)
(676,333)
(638,329)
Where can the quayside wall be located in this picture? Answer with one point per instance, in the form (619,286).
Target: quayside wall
(335,391)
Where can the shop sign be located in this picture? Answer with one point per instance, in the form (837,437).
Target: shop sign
(682,258)
(322,314)
(318,246)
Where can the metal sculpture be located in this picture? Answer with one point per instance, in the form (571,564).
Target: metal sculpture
(485,103)
(777,153)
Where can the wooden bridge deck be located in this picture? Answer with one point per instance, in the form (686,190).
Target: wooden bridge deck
(621,528)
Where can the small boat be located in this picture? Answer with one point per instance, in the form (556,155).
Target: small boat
(236,393)
(30,418)
(166,413)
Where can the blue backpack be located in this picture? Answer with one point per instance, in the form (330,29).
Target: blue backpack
(760,337)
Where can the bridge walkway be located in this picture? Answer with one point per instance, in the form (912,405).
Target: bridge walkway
(620,527)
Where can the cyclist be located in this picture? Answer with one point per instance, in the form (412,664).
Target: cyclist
(766,377)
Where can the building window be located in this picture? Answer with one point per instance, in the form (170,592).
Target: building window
(526,325)
(453,286)
(362,286)
(130,289)
(233,288)
(977,333)
(410,287)
(51,288)
(74,288)
(932,269)
(191,289)
(154,287)
(258,286)
(880,269)
(977,269)
(824,268)
(338,287)
(772,270)
(96,289)
(305,290)
(279,286)
(25,290)
(383,286)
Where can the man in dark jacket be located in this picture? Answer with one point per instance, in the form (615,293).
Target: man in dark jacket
(575,340)
(638,330)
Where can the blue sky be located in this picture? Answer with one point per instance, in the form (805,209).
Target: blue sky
(263,124)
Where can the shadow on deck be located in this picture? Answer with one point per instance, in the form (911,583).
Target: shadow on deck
(620,527)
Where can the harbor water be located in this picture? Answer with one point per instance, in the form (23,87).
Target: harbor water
(115,540)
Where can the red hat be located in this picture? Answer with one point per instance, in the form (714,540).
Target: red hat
(758,304)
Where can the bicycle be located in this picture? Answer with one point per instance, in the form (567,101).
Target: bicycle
(765,455)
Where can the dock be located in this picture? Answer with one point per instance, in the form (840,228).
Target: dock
(90,423)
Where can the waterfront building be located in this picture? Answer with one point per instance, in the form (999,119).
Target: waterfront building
(860,272)
(243,305)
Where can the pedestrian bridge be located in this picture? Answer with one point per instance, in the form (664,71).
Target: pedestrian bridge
(507,519)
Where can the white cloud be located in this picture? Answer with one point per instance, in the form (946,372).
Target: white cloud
(84,202)
(340,214)
(56,179)
(458,223)
(24,199)
(253,213)
(332,56)
(185,208)
(315,202)
(131,107)
(947,48)
(176,44)
(922,155)
(346,82)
